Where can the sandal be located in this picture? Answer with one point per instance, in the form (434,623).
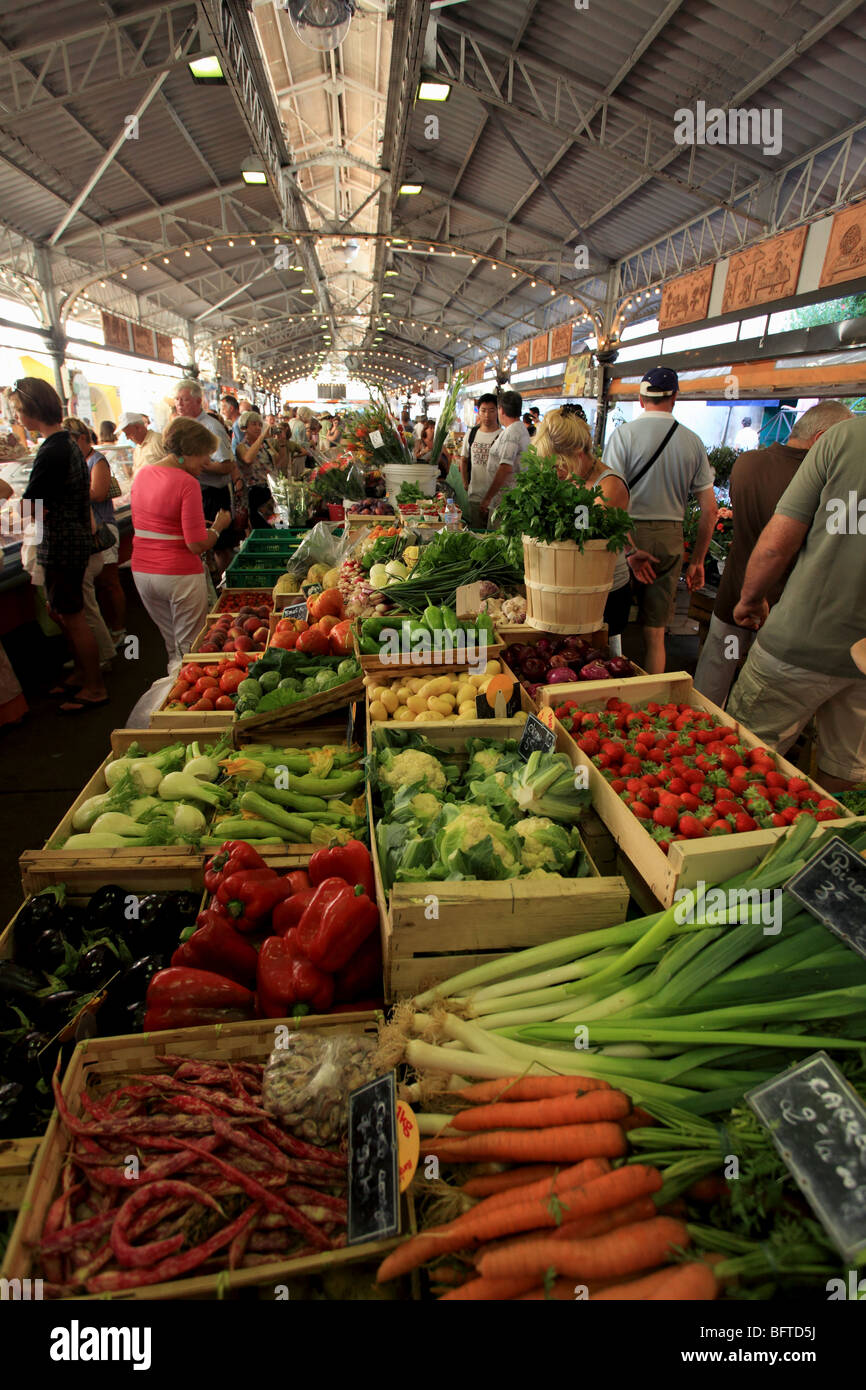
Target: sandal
(65,689)
(80,705)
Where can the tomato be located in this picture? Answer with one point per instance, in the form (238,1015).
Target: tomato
(329,602)
(229,682)
(189,698)
(327,623)
(343,644)
(209,671)
(190,673)
(202,704)
(284,641)
(313,641)
(223,702)
(177,690)
(206,683)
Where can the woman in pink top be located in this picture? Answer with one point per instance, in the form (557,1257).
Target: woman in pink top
(171,536)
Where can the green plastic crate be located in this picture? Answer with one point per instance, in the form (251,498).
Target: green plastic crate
(254,572)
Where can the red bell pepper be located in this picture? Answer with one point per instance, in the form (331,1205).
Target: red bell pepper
(289,912)
(252,901)
(298,880)
(218,946)
(337,922)
(232,883)
(231,857)
(350,861)
(288,983)
(180,997)
(362,975)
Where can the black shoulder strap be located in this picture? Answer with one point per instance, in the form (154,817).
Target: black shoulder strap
(472,433)
(650,461)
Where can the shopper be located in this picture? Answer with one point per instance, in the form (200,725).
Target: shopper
(171,536)
(231,414)
(260,452)
(60,482)
(758,480)
(335,433)
(801,663)
(536,415)
(503,459)
(662,463)
(563,436)
(529,422)
(475,452)
(746,437)
(424,446)
(107,433)
(148,443)
(215,479)
(101,588)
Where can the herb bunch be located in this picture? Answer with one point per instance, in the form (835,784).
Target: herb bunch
(548,508)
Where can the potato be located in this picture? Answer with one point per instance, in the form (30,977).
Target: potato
(483,684)
(390,701)
(429,716)
(439,703)
(467,709)
(448,698)
(402,692)
(437,686)
(378,712)
(465,692)
(493,668)
(414,685)
(475,679)
(403,715)
(417,704)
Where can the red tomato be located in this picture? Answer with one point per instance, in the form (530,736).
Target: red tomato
(202,704)
(190,673)
(314,641)
(206,683)
(209,671)
(189,698)
(229,682)
(223,702)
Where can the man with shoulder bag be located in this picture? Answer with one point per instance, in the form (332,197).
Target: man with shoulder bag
(662,463)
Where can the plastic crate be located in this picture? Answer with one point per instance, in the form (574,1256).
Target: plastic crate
(270,545)
(254,571)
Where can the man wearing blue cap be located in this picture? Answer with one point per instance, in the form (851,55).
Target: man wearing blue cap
(662,463)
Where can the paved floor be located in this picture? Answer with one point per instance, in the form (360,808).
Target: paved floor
(46,760)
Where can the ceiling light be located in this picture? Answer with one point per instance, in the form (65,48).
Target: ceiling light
(231,243)
(253,170)
(409,190)
(433,91)
(207,70)
(165,260)
(387,294)
(208,247)
(307,290)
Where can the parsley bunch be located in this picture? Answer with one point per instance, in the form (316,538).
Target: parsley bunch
(548,508)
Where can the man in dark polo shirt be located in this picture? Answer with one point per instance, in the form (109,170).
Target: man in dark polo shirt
(758,479)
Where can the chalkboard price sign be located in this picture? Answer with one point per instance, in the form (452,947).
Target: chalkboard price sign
(832,886)
(503,709)
(818,1124)
(536,738)
(296,610)
(374,1181)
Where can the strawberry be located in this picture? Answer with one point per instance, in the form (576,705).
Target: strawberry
(720,827)
(690,802)
(666,816)
(692,828)
(742,823)
(641,810)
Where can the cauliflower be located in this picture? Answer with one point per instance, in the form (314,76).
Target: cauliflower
(486,761)
(410,767)
(492,762)
(546,846)
(426,807)
(471,844)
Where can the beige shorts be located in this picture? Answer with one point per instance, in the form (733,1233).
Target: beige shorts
(776,700)
(664,540)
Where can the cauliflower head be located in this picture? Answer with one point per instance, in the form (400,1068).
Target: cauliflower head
(545,846)
(426,807)
(410,767)
(471,844)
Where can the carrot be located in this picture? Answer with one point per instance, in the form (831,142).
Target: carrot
(560,1144)
(512,1177)
(541,1114)
(638,1119)
(492,1290)
(561,1290)
(693,1281)
(562,1179)
(709,1189)
(640,1246)
(530,1088)
(598,1224)
(480,1226)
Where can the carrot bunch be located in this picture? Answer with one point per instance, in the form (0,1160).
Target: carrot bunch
(561,1218)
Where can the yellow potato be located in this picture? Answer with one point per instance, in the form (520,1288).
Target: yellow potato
(493,668)
(475,679)
(483,684)
(467,709)
(390,701)
(465,692)
(402,692)
(417,704)
(403,715)
(378,713)
(429,716)
(437,686)
(439,703)
(414,685)
(374,691)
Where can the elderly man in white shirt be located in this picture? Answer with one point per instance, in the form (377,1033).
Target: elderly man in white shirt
(215,482)
(148,443)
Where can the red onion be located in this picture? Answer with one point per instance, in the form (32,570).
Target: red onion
(619,666)
(560,675)
(532,669)
(593,671)
(544,647)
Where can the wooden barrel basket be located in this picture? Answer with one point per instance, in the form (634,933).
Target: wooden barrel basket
(566,590)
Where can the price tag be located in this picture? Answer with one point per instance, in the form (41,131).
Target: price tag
(408,1144)
(501,700)
(376,440)
(818,1123)
(374,1184)
(832,886)
(296,610)
(350,724)
(536,738)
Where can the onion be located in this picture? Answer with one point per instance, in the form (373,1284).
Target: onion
(593,671)
(560,675)
(619,666)
(533,669)
(593,654)
(544,647)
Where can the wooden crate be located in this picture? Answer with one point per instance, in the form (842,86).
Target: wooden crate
(16,1160)
(478,728)
(99,1064)
(302,712)
(479,922)
(713,859)
(442,663)
(195,650)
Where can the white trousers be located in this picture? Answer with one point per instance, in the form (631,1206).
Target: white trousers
(723,648)
(92,613)
(178,604)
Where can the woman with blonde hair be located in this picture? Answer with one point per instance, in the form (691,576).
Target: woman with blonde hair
(171,535)
(564,436)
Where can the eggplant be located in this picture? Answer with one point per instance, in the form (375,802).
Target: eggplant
(105,914)
(131,988)
(18,985)
(95,968)
(30,1057)
(42,913)
(57,1009)
(48,951)
(186,905)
